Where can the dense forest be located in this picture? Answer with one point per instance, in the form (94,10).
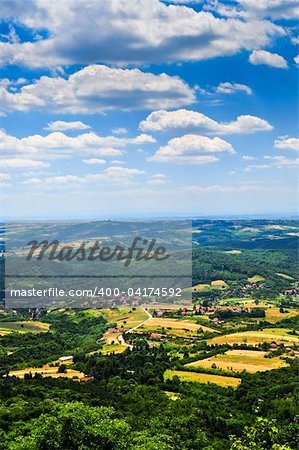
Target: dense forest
(118,412)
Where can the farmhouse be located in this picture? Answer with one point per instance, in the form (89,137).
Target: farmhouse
(65,358)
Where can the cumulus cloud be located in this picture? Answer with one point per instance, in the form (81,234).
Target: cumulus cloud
(248,158)
(61,125)
(286,142)
(192,149)
(231,88)
(169,120)
(59,145)
(296,59)
(126,32)
(98,88)
(19,163)
(276,9)
(259,57)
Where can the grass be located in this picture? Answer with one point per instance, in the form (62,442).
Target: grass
(24,327)
(195,377)
(284,275)
(116,348)
(124,317)
(201,287)
(255,279)
(278,335)
(238,360)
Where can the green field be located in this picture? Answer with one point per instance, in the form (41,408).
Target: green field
(24,327)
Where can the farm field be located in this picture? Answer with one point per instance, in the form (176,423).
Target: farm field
(238,360)
(175,326)
(47,371)
(273,315)
(23,327)
(255,279)
(278,335)
(195,377)
(127,317)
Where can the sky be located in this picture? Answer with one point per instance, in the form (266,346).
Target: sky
(148,108)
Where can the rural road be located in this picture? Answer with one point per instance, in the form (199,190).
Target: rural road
(142,323)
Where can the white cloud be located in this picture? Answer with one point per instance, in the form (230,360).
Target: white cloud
(98,88)
(119,130)
(158,179)
(252,167)
(276,9)
(287,142)
(192,149)
(127,32)
(61,125)
(259,57)
(94,161)
(166,120)
(231,88)
(113,175)
(18,163)
(248,158)
(59,145)
(282,161)
(296,59)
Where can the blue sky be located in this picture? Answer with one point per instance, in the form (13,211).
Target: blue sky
(148,108)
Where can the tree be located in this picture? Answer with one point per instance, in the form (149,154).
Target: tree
(62,368)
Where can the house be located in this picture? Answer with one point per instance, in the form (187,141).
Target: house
(159,314)
(155,336)
(215,320)
(84,379)
(65,358)
(273,345)
(112,330)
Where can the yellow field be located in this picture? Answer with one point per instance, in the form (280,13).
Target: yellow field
(273,315)
(23,327)
(238,360)
(178,327)
(4,332)
(255,279)
(278,335)
(233,252)
(47,371)
(202,378)
(219,283)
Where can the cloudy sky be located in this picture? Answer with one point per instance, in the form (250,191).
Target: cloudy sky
(148,108)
